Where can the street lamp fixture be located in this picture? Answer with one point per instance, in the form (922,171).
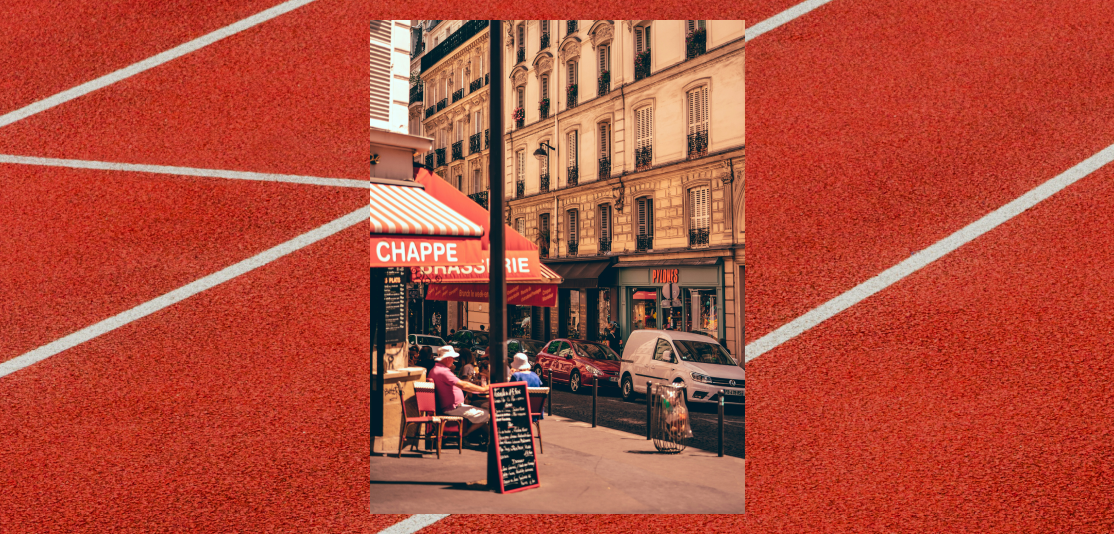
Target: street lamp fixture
(541,152)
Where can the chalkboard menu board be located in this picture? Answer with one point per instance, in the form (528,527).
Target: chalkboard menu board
(394,292)
(514,437)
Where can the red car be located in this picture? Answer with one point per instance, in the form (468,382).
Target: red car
(578,363)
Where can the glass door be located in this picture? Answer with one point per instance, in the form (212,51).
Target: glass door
(644,308)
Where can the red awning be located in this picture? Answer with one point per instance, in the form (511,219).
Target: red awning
(445,192)
(645,295)
(409,227)
(537,292)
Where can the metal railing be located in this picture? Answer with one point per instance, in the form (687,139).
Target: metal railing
(543,183)
(570,26)
(519,189)
(430,111)
(644,243)
(474,143)
(429,160)
(458,94)
(457,38)
(486,138)
(441,105)
(571,246)
(698,237)
(643,157)
(543,108)
(605,245)
(475,84)
(416,93)
(480,198)
(698,144)
(545,41)
(604,85)
(440,156)
(605,168)
(696,43)
(573,175)
(521,55)
(570,96)
(642,65)
(458,150)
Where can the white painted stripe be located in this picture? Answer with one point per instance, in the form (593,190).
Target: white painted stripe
(151,62)
(780,19)
(182,293)
(928,255)
(410,210)
(413,524)
(184,171)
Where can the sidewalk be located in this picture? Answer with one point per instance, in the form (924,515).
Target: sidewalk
(583,470)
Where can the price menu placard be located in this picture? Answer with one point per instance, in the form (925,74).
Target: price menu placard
(394,293)
(514,437)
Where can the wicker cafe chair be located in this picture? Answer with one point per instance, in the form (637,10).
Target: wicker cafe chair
(537,398)
(427,406)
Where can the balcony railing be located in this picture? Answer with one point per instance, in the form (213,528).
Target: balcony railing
(543,108)
(429,160)
(486,139)
(474,143)
(485,78)
(604,85)
(644,243)
(605,245)
(605,168)
(521,55)
(519,116)
(543,183)
(571,246)
(480,198)
(430,111)
(696,43)
(642,157)
(698,144)
(570,26)
(419,48)
(642,65)
(573,175)
(698,237)
(459,37)
(441,105)
(416,93)
(545,41)
(458,94)
(543,244)
(570,93)
(475,84)
(440,156)
(458,150)
(519,189)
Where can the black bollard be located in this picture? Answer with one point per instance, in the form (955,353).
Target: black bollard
(595,391)
(648,411)
(721,423)
(551,390)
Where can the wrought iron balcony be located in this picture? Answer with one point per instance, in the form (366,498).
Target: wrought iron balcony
(642,157)
(430,111)
(605,168)
(573,175)
(570,94)
(698,144)
(696,43)
(519,189)
(429,160)
(486,138)
(521,56)
(458,150)
(458,94)
(486,77)
(473,143)
(440,156)
(543,244)
(645,242)
(642,65)
(416,93)
(441,105)
(543,182)
(543,108)
(571,246)
(698,237)
(457,38)
(570,26)
(419,48)
(480,198)
(476,84)
(545,41)
(605,245)
(604,85)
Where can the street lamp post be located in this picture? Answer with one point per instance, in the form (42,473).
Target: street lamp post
(497,345)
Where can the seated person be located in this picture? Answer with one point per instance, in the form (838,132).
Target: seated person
(450,392)
(521,366)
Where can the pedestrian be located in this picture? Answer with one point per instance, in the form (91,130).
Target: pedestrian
(481,328)
(468,368)
(614,340)
(425,359)
(412,356)
(522,373)
(451,332)
(450,392)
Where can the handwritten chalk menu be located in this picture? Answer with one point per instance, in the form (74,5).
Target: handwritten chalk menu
(514,437)
(394,292)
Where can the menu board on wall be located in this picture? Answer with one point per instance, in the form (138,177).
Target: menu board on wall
(514,437)
(394,293)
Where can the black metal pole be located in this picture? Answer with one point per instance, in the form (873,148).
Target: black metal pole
(648,410)
(595,391)
(721,423)
(378,346)
(551,390)
(497,302)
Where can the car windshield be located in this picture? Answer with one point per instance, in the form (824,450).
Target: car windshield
(463,336)
(529,345)
(596,352)
(701,352)
(481,338)
(430,340)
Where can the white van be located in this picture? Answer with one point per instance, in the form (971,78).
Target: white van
(695,361)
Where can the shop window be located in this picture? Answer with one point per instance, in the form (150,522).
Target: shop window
(644,309)
(574,314)
(605,312)
(703,311)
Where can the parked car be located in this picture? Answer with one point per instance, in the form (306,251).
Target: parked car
(578,363)
(700,364)
(473,340)
(529,346)
(420,341)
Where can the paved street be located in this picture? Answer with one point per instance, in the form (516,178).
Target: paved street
(612,412)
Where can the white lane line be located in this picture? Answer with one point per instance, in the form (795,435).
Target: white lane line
(182,293)
(936,251)
(413,524)
(184,171)
(151,62)
(780,19)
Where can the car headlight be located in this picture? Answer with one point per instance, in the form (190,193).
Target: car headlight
(593,370)
(701,378)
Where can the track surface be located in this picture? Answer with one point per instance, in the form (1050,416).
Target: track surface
(971,396)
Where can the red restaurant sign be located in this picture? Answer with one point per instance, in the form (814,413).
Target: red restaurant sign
(521,265)
(520,294)
(408,251)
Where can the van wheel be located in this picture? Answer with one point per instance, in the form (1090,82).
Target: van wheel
(627,388)
(574,382)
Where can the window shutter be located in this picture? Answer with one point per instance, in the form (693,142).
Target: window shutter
(545,86)
(604,151)
(646,44)
(638,40)
(572,225)
(380,79)
(521,97)
(521,166)
(641,216)
(572,148)
(698,205)
(605,222)
(689,25)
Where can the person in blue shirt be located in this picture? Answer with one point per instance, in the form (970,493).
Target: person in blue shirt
(522,373)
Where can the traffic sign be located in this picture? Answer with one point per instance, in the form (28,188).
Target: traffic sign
(671,290)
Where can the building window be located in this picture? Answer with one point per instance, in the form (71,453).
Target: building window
(573,242)
(604,82)
(543,235)
(696,103)
(699,216)
(573,176)
(641,52)
(520,225)
(521,43)
(605,229)
(572,88)
(605,152)
(696,38)
(520,181)
(544,35)
(477,180)
(645,224)
(543,99)
(644,137)
(574,314)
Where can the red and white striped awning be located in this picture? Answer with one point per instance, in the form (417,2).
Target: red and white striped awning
(411,211)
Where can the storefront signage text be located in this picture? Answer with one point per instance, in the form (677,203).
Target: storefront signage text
(665,276)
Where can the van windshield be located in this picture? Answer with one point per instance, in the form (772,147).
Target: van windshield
(701,352)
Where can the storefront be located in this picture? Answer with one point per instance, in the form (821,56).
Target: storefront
(696,307)
(586,299)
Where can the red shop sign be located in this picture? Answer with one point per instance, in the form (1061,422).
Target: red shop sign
(665,276)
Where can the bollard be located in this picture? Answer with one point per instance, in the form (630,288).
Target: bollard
(648,412)
(595,391)
(721,423)
(551,390)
